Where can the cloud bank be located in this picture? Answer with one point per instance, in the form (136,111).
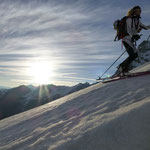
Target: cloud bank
(76,37)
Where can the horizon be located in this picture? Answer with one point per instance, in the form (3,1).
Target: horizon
(41,85)
(61,42)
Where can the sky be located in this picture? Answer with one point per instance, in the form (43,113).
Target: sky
(61,42)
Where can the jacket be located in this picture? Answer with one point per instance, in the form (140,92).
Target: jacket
(133,26)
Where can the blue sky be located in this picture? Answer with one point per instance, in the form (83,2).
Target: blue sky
(72,38)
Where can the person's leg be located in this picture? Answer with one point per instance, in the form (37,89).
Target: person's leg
(132,55)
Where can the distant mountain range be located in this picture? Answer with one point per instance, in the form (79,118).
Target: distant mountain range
(23,98)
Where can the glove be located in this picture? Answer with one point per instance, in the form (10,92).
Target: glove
(135,37)
(139,30)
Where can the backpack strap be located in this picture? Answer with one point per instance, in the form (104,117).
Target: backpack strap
(116,37)
(133,21)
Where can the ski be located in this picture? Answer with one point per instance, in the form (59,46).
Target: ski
(117,77)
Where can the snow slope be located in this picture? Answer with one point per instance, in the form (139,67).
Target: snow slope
(112,116)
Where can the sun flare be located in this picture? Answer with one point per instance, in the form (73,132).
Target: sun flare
(40,72)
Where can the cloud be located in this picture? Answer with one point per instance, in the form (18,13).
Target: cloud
(75,34)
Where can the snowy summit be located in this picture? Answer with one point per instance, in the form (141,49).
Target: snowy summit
(111,116)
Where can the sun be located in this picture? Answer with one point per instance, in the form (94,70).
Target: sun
(40,72)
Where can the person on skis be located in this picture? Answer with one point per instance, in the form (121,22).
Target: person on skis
(133,27)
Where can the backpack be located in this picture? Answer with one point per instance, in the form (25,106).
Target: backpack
(120,26)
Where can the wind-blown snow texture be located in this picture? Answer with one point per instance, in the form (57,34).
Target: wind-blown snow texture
(112,116)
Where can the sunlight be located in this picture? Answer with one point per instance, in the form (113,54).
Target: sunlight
(41,72)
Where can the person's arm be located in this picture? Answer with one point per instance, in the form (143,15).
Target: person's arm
(144,26)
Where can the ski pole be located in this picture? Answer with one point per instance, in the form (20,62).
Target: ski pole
(113,63)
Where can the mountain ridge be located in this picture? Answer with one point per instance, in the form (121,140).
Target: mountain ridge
(22,98)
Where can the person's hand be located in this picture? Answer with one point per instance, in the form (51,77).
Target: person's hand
(135,37)
(139,30)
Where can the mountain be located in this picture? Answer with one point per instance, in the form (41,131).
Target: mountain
(23,98)
(10,101)
(79,87)
(143,53)
(112,116)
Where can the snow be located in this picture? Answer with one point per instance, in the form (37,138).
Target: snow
(143,54)
(111,116)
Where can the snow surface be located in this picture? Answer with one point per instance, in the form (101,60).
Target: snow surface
(111,116)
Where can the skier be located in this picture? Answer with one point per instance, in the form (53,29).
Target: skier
(133,26)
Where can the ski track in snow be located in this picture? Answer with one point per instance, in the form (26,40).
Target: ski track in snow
(112,116)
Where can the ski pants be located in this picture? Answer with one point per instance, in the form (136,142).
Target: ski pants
(132,56)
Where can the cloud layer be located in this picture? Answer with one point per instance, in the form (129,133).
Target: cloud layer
(75,36)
